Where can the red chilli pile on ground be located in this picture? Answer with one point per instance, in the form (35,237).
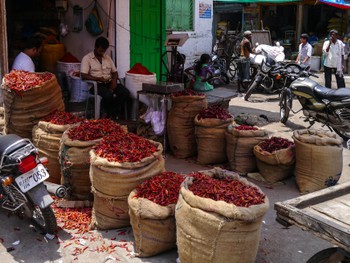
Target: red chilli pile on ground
(246,128)
(19,80)
(62,118)
(215,112)
(94,129)
(275,144)
(124,148)
(228,190)
(186,92)
(162,189)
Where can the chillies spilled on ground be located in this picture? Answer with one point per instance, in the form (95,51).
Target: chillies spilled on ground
(275,144)
(162,189)
(226,189)
(215,112)
(124,148)
(246,128)
(62,118)
(19,80)
(186,92)
(94,129)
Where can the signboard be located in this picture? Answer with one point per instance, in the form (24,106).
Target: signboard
(343,4)
(205,10)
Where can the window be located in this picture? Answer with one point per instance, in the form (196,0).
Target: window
(179,15)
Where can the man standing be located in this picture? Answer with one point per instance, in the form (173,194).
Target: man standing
(333,50)
(305,51)
(24,60)
(99,67)
(246,50)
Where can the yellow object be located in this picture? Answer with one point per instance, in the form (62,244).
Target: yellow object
(50,54)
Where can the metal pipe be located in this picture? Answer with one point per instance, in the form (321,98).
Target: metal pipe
(60,191)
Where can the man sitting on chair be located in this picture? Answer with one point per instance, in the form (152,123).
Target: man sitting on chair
(99,67)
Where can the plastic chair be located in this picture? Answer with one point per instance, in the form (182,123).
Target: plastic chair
(97,99)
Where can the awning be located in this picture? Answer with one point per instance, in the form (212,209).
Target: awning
(343,4)
(259,1)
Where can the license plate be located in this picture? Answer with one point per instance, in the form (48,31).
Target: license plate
(32,178)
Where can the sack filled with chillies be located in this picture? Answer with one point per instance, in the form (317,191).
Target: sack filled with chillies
(74,154)
(218,217)
(210,126)
(240,142)
(58,121)
(152,213)
(185,105)
(275,158)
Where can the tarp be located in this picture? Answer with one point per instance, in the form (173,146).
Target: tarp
(343,4)
(259,1)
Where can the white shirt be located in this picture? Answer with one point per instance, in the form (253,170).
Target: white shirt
(23,62)
(305,51)
(90,65)
(334,54)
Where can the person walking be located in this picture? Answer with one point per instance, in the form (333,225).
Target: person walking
(24,60)
(244,61)
(305,51)
(333,51)
(99,67)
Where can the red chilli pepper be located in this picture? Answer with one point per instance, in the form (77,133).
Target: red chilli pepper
(275,144)
(216,112)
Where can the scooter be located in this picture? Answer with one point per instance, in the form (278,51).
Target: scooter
(22,176)
(318,103)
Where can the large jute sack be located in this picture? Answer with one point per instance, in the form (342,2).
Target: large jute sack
(109,212)
(274,173)
(46,140)
(239,148)
(53,128)
(215,231)
(210,138)
(319,159)
(24,111)
(153,226)
(53,166)
(180,124)
(119,179)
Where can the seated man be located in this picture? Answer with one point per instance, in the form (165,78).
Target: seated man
(99,67)
(24,60)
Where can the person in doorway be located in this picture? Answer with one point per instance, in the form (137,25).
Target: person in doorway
(305,51)
(333,51)
(24,60)
(99,67)
(312,38)
(202,73)
(244,61)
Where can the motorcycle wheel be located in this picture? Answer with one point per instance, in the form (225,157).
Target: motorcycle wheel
(285,106)
(267,84)
(232,69)
(45,219)
(343,134)
(252,87)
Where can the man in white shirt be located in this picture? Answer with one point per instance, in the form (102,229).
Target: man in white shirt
(305,51)
(24,60)
(333,50)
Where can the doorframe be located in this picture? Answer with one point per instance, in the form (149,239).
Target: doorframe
(4,68)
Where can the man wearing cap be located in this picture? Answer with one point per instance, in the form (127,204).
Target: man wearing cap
(305,51)
(333,51)
(246,50)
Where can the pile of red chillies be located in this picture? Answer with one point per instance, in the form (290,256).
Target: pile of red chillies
(226,189)
(124,148)
(162,189)
(215,112)
(246,128)
(138,68)
(62,118)
(69,58)
(275,144)
(19,80)
(186,92)
(89,130)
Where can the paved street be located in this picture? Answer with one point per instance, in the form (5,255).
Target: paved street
(277,244)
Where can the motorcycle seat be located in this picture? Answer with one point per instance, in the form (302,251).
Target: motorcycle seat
(331,94)
(8,140)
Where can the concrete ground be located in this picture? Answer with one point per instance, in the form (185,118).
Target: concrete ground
(277,243)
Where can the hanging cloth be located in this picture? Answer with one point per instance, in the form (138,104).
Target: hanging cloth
(93,23)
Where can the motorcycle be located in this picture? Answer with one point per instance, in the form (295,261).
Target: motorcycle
(22,176)
(218,66)
(318,103)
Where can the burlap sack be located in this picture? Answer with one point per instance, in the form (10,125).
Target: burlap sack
(210,138)
(180,124)
(109,212)
(239,148)
(45,140)
(53,128)
(284,156)
(274,173)
(119,179)
(319,159)
(153,226)
(24,111)
(215,231)
(53,166)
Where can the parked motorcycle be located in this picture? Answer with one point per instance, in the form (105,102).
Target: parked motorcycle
(318,103)
(219,67)
(22,175)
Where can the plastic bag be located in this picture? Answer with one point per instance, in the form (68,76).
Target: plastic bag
(155,114)
(93,23)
